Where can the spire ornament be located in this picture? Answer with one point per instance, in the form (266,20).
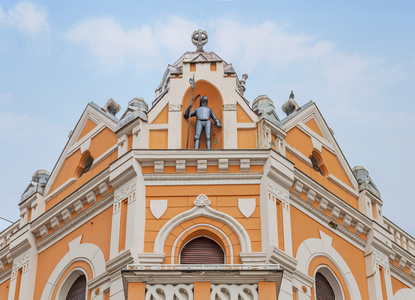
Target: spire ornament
(199,39)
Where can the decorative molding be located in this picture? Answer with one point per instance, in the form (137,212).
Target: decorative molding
(209,177)
(180,165)
(66,215)
(54,222)
(201,201)
(21,262)
(247,206)
(233,291)
(335,212)
(125,191)
(201,165)
(170,291)
(91,198)
(311,196)
(158,208)
(103,188)
(322,205)
(358,228)
(245,164)
(229,107)
(347,220)
(79,206)
(159,166)
(223,165)
(298,187)
(278,193)
(175,107)
(380,259)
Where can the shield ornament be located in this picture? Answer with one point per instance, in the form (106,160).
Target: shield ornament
(247,206)
(158,207)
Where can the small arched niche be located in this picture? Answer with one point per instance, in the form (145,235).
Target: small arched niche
(85,164)
(203,88)
(202,250)
(318,164)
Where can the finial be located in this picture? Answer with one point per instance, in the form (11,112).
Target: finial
(199,39)
(292,95)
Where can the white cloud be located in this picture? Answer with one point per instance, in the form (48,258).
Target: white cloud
(27,17)
(112,45)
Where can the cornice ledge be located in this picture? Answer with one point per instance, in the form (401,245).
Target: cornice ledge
(6,274)
(326,219)
(276,256)
(151,258)
(402,275)
(253,257)
(75,222)
(210,176)
(119,262)
(98,280)
(334,199)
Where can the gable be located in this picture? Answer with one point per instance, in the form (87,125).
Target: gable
(308,135)
(94,133)
(162,117)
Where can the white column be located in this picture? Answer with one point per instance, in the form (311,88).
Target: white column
(286,216)
(230,135)
(269,230)
(175,127)
(115,229)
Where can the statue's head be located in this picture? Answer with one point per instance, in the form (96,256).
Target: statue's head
(204,101)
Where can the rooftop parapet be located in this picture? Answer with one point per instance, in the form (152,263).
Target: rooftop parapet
(37,185)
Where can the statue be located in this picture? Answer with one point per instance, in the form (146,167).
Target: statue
(203,115)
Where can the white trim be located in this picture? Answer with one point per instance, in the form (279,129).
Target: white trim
(173,250)
(246,126)
(204,211)
(66,285)
(333,281)
(404,294)
(312,248)
(89,253)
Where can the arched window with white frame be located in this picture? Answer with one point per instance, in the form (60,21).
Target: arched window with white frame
(327,286)
(74,286)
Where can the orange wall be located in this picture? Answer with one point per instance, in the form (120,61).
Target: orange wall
(163,116)
(158,139)
(247,139)
(313,126)
(87,128)
(4,289)
(96,231)
(224,198)
(304,227)
(397,285)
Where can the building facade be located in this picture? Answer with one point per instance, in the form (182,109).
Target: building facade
(272,211)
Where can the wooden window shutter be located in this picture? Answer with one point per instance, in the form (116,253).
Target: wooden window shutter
(78,289)
(202,250)
(323,288)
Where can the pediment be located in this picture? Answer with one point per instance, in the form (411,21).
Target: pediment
(309,124)
(92,122)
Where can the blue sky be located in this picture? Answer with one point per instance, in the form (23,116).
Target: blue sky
(355,59)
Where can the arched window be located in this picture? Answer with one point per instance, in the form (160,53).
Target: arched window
(202,250)
(318,164)
(323,288)
(327,286)
(74,287)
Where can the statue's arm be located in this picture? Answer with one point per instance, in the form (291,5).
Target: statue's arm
(216,120)
(187,111)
